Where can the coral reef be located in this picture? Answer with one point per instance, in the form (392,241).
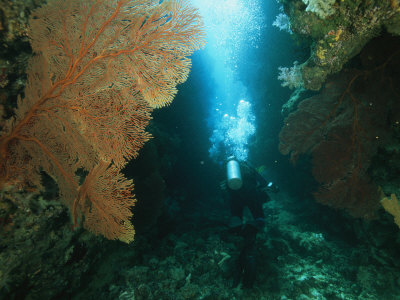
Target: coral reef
(14,19)
(344,127)
(186,250)
(37,243)
(301,256)
(338,31)
(298,259)
(14,49)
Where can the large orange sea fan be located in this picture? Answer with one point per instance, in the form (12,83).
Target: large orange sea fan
(100,67)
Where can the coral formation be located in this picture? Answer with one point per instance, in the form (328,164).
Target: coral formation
(322,8)
(301,256)
(392,206)
(338,30)
(291,77)
(90,92)
(345,125)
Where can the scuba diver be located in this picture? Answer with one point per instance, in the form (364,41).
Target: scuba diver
(246,188)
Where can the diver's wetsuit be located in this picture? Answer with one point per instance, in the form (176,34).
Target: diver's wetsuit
(252,196)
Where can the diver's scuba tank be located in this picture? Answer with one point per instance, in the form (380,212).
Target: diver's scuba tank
(234,177)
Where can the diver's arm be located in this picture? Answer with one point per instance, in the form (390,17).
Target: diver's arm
(261,182)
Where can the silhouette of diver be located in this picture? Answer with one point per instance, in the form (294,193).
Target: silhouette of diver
(252,194)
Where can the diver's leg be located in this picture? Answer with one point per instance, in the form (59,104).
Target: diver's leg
(236,206)
(247,261)
(255,206)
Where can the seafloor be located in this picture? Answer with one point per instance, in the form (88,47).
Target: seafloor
(302,255)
